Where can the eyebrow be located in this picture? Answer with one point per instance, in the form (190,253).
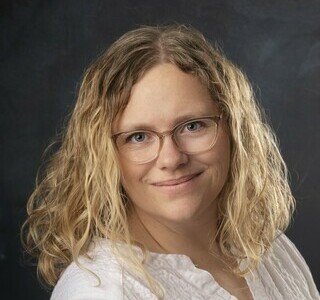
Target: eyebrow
(177,121)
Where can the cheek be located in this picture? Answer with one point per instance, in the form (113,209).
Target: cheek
(225,154)
(132,177)
(218,168)
(224,147)
(221,157)
(225,161)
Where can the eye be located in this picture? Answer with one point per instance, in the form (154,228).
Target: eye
(137,137)
(193,126)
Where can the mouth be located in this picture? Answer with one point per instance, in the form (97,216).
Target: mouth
(177,181)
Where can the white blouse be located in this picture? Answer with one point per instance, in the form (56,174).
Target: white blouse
(282,274)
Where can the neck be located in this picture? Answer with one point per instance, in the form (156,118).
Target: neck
(194,239)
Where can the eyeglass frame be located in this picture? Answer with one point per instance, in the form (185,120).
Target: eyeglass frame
(171,133)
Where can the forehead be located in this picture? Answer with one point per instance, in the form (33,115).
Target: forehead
(163,97)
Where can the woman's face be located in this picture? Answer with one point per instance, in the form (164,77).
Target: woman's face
(175,187)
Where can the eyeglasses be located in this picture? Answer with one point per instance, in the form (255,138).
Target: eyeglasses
(191,137)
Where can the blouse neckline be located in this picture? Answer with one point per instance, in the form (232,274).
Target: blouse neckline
(183,267)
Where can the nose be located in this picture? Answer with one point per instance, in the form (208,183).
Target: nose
(170,157)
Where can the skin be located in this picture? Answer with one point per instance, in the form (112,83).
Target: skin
(170,217)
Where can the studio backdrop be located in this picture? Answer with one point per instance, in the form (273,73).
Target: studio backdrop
(46,45)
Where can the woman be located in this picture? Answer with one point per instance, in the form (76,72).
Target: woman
(168,183)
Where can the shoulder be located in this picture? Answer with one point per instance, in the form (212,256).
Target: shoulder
(284,253)
(97,276)
(283,268)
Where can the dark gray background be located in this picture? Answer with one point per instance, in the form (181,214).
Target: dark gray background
(46,45)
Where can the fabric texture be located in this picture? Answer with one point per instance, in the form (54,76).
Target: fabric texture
(282,274)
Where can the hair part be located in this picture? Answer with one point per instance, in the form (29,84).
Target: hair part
(80,196)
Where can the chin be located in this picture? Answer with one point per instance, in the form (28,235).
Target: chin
(183,211)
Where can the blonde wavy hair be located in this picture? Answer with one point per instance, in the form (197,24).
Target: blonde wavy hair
(80,195)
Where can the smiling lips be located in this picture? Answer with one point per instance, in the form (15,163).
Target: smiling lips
(173,182)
